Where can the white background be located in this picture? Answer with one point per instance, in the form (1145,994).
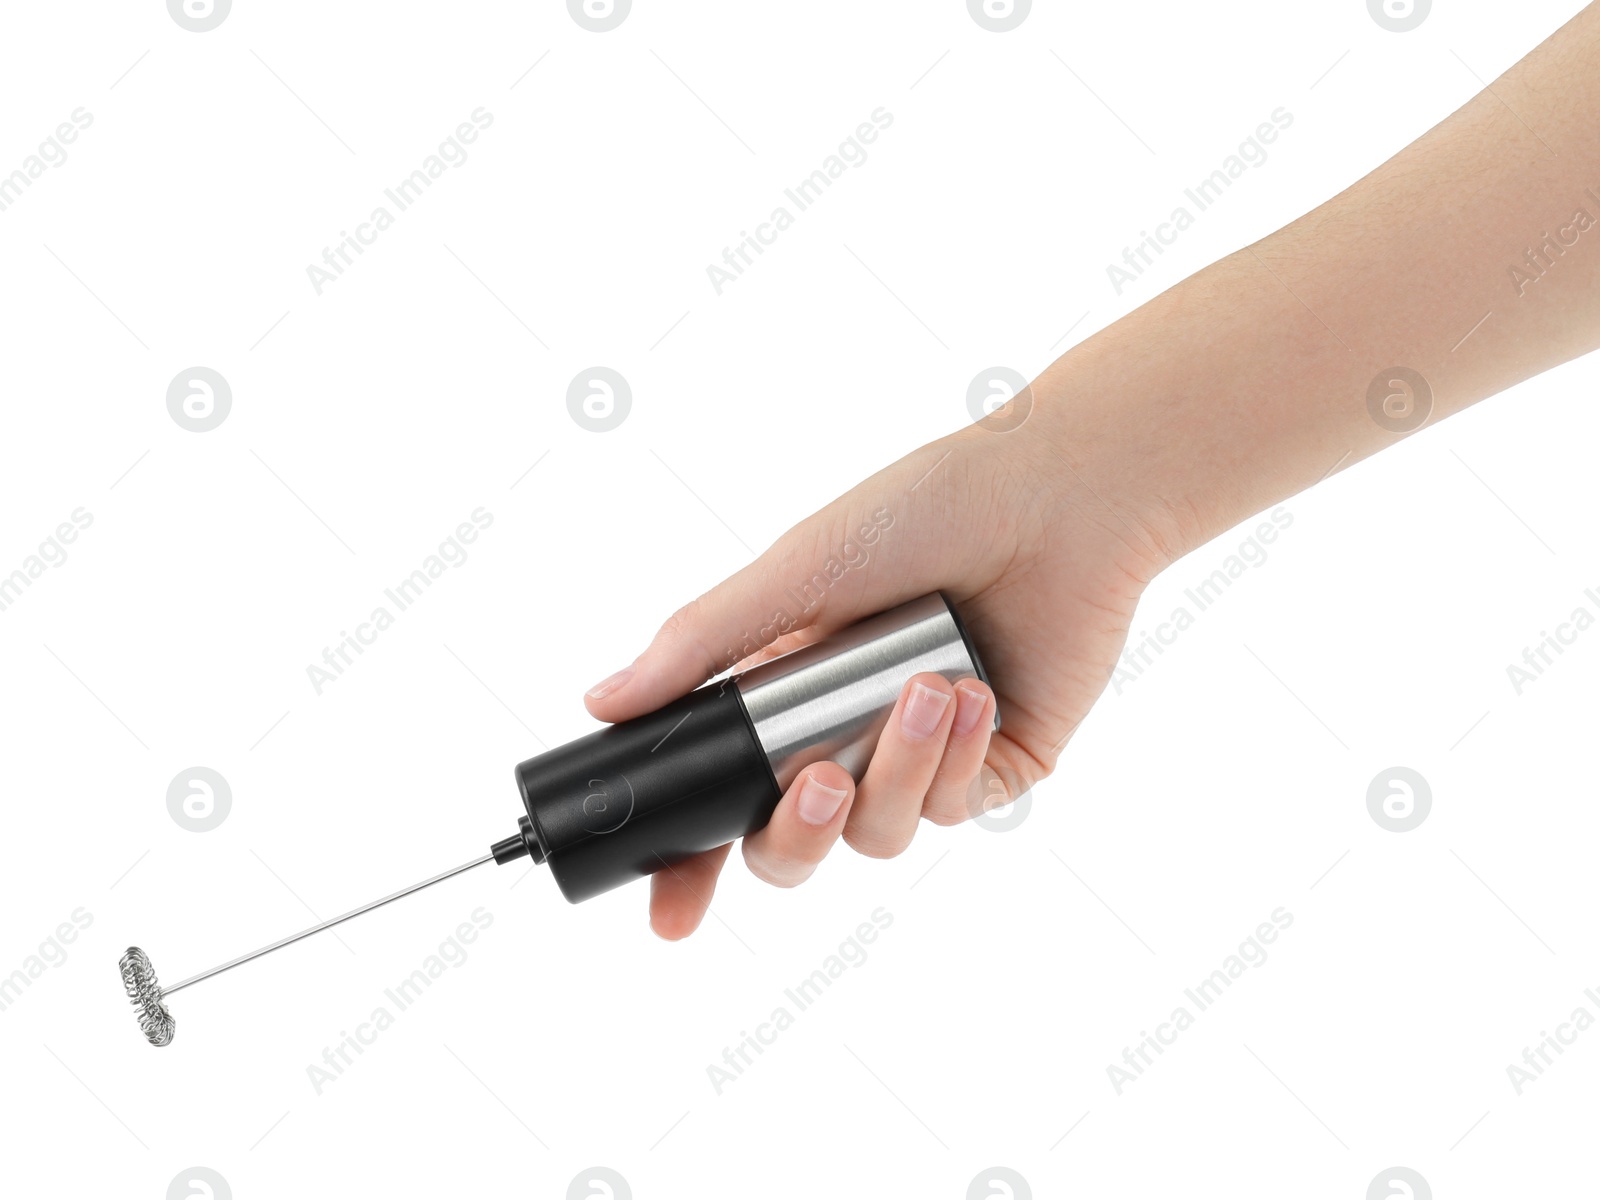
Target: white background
(369,421)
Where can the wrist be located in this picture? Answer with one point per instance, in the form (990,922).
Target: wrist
(1213,402)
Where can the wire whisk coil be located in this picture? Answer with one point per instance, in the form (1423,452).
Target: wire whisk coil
(147,995)
(144,993)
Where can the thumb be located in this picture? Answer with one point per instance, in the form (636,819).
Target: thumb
(797,584)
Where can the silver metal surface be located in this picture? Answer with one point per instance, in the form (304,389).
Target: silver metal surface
(146,994)
(831,699)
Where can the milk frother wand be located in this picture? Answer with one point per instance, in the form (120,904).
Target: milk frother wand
(633,798)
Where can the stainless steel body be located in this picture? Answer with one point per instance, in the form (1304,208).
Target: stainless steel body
(831,700)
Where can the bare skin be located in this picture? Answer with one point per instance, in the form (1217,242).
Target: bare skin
(1243,385)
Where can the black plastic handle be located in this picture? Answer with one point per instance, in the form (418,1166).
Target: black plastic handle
(630,799)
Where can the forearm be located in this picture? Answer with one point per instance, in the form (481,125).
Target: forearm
(1249,381)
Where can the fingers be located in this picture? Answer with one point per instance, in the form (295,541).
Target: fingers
(951,796)
(735,619)
(803,829)
(888,803)
(931,750)
(681,894)
(812,579)
(804,826)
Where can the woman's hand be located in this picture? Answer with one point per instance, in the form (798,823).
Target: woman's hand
(1045,572)
(1249,381)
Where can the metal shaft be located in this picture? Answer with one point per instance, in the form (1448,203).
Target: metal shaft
(304,933)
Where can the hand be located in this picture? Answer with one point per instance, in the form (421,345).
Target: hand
(1220,397)
(1045,573)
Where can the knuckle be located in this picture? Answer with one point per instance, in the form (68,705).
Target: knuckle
(685,628)
(779,872)
(874,843)
(680,624)
(944,814)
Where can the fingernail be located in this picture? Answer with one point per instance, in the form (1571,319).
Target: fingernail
(818,805)
(969,707)
(610,684)
(924,709)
